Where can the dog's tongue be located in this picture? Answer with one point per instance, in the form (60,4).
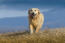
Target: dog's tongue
(31,15)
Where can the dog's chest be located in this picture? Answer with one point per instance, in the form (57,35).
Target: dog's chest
(35,22)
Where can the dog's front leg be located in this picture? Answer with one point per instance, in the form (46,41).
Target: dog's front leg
(37,29)
(31,28)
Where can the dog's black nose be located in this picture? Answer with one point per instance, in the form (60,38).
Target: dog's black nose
(32,13)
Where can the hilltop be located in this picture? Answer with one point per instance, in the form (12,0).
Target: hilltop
(46,36)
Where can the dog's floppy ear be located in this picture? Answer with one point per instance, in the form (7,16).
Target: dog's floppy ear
(38,11)
(29,10)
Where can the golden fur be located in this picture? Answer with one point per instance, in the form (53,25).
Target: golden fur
(35,22)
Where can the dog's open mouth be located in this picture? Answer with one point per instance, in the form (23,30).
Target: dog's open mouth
(32,14)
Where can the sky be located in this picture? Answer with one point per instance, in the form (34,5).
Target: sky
(14,13)
(17,8)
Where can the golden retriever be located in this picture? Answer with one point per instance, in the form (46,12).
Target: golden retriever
(36,20)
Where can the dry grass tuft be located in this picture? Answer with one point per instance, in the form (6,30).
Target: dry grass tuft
(46,36)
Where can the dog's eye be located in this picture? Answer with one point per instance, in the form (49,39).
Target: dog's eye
(35,10)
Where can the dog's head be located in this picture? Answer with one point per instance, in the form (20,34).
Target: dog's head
(33,12)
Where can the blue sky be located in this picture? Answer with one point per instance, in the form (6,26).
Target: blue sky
(16,8)
(13,13)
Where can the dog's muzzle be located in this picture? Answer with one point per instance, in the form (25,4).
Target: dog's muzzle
(33,14)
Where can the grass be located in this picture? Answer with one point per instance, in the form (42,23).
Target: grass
(47,36)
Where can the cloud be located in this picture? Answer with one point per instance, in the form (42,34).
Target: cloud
(46,9)
(16,13)
(12,13)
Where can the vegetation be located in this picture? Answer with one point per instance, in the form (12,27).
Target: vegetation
(46,36)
